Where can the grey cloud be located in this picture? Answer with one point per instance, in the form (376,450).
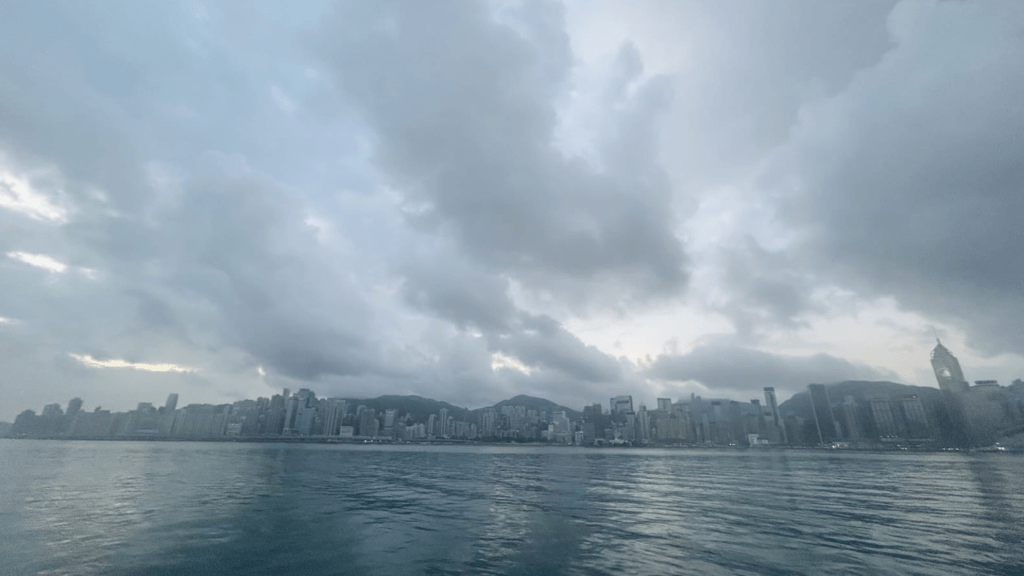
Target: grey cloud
(470,299)
(761,290)
(737,369)
(543,341)
(209,259)
(749,67)
(462,109)
(909,183)
(446,285)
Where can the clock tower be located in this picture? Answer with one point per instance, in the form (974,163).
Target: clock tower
(947,370)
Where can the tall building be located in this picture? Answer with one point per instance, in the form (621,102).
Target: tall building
(368,423)
(299,413)
(442,420)
(334,413)
(488,423)
(848,414)
(665,404)
(885,420)
(621,405)
(822,408)
(916,422)
(390,418)
(171,404)
(772,403)
(947,370)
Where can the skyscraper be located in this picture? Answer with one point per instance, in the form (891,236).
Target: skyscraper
(621,405)
(947,370)
(822,408)
(334,413)
(442,419)
(776,420)
(885,420)
(914,417)
(665,404)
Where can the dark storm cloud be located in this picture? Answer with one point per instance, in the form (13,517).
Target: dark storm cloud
(761,289)
(446,285)
(197,256)
(205,258)
(387,196)
(462,107)
(450,288)
(733,369)
(543,342)
(910,182)
(748,68)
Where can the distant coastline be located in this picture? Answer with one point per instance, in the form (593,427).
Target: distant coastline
(920,449)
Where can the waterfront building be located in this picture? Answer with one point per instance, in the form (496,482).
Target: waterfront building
(334,414)
(621,405)
(914,417)
(885,420)
(368,423)
(823,419)
(489,423)
(947,370)
(643,425)
(390,418)
(848,417)
(772,403)
(442,419)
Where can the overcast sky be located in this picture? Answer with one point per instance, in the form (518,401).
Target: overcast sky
(469,201)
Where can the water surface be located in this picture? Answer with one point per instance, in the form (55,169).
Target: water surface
(72,508)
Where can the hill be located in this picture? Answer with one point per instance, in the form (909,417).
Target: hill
(534,403)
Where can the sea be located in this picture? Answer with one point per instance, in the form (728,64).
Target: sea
(225,508)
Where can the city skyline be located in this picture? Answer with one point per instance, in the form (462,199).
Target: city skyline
(561,199)
(874,415)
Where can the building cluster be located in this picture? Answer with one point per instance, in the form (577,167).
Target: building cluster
(866,420)
(302,414)
(692,421)
(858,419)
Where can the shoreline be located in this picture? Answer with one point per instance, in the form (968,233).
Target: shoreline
(388,442)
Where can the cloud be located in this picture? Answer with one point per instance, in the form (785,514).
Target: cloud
(39,261)
(91,362)
(461,106)
(737,369)
(907,183)
(18,194)
(384,198)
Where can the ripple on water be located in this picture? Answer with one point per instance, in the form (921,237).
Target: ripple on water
(128,508)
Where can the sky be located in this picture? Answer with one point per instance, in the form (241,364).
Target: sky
(470,200)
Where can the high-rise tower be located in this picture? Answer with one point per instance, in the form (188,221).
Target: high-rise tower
(822,408)
(776,420)
(947,370)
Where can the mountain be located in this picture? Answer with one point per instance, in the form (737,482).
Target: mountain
(534,403)
(421,408)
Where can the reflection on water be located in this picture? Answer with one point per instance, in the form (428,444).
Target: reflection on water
(170,508)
